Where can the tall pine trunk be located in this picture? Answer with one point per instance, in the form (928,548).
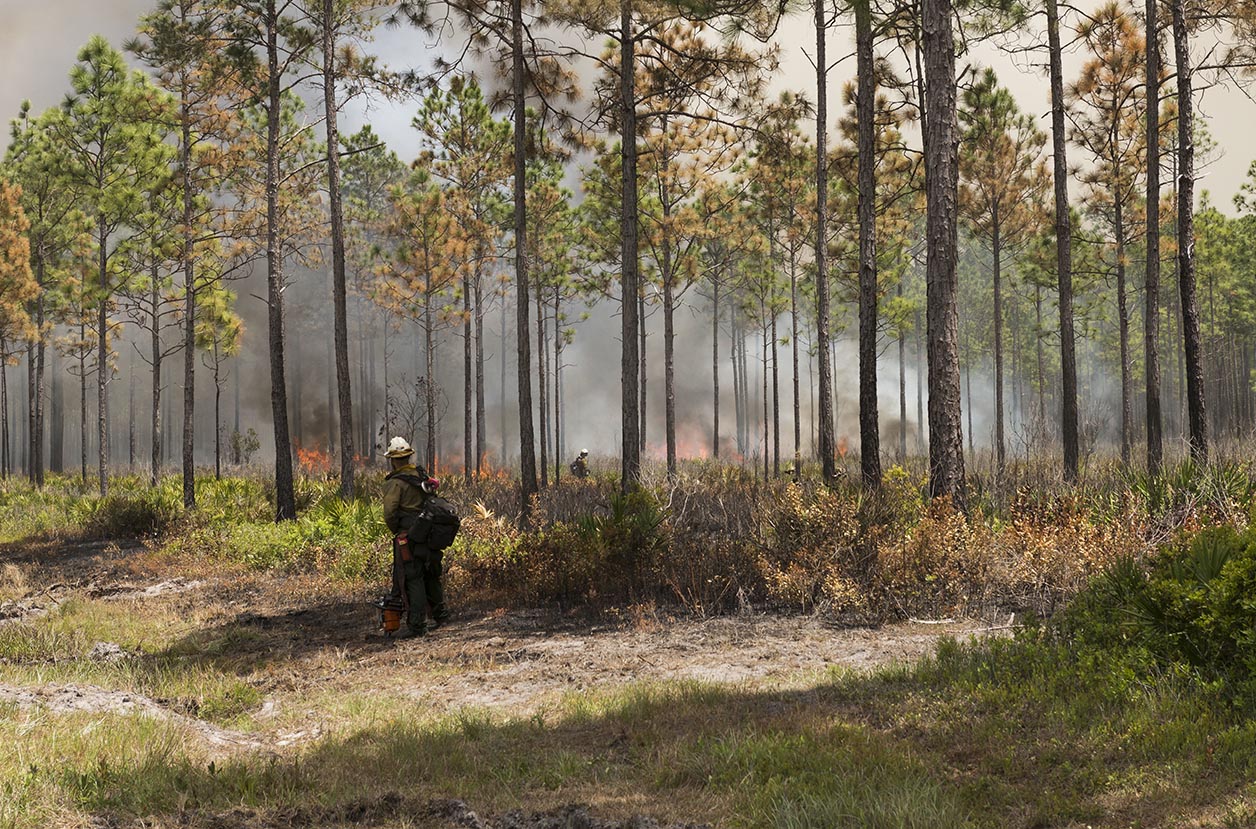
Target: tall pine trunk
(481,436)
(645,384)
(630,465)
(468,392)
(776,401)
(558,386)
(56,432)
(827,448)
(902,387)
(869,417)
(946,439)
(217,414)
(1063,250)
(715,366)
(527,446)
(83,405)
(1151,325)
(1000,443)
(189,305)
(793,344)
(1196,407)
(154,470)
(669,358)
(285,494)
(344,394)
(5,459)
(102,364)
(542,386)
(1123,326)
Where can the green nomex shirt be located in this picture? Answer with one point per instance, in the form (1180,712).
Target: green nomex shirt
(402,501)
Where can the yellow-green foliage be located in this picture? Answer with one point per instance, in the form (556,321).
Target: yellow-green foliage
(712,538)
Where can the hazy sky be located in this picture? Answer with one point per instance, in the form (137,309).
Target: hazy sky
(39,40)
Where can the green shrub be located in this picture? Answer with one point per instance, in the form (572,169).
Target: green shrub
(1193,609)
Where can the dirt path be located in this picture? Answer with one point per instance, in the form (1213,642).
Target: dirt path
(308,634)
(294,635)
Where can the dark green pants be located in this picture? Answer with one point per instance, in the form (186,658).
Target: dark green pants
(423,587)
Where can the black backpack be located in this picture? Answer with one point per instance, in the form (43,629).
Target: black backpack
(437,524)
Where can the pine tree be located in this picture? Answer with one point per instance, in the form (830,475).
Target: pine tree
(112,128)
(368,171)
(184,42)
(35,162)
(1003,177)
(18,289)
(219,332)
(267,41)
(1107,97)
(470,154)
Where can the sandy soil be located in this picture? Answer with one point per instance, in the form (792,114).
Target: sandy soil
(308,634)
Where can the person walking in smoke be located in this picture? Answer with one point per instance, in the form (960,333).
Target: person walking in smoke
(580,466)
(416,568)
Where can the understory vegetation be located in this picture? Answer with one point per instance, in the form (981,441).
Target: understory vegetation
(1124,697)
(712,539)
(1095,717)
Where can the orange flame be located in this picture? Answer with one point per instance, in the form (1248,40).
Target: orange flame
(843,446)
(312,461)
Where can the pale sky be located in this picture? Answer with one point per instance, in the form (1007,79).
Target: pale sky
(40,38)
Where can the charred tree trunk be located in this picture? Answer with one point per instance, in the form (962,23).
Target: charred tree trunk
(1196,406)
(344,393)
(285,495)
(1063,251)
(630,468)
(869,416)
(946,439)
(527,446)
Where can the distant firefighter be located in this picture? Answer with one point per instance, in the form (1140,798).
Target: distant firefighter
(580,466)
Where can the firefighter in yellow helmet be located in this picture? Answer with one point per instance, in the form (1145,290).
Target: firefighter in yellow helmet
(416,570)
